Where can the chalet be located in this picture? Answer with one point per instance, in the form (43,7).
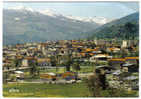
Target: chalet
(114,49)
(39,47)
(132,60)
(52,78)
(83,54)
(116,62)
(19,75)
(100,57)
(6,66)
(49,76)
(100,42)
(132,82)
(27,60)
(43,63)
(128,43)
(69,75)
(129,67)
(124,44)
(22,52)
(107,69)
(28,44)
(96,51)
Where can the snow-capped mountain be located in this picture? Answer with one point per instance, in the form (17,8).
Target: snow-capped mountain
(49,12)
(99,20)
(22,24)
(53,13)
(21,8)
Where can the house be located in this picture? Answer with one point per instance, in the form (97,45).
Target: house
(113,49)
(83,54)
(44,63)
(19,75)
(25,62)
(69,75)
(116,62)
(96,50)
(7,64)
(100,42)
(106,69)
(127,43)
(131,83)
(49,77)
(129,67)
(124,44)
(100,57)
(132,60)
(39,47)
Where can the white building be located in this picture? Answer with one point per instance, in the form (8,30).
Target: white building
(24,62)
(124,44)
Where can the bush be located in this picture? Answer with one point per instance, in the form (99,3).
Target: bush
(93,84)
(96,89)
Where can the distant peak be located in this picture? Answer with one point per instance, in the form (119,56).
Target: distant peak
(99,20)
(21,8)
(54,13)
(49,12)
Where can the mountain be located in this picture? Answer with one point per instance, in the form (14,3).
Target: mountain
(53,13)
(23,24)
(124,28)
(98,20)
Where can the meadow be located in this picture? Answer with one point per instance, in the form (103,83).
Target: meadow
(46,90)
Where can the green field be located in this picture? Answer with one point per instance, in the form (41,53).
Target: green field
(58,90)
(46,90)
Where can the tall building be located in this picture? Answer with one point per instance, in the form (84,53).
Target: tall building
(124,44)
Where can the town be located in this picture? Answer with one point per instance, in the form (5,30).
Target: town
(72,61)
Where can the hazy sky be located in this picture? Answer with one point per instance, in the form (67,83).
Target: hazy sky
(99,9)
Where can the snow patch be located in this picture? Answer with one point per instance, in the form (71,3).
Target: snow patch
(54,13)
(17,18)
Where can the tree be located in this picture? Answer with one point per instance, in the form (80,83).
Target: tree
(76,66)
(53,61)
(33,70)
(68,62)
(93,84)
(5,77)
(17,62)
(131,29)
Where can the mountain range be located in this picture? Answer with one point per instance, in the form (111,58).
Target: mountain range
(23,24)
(124,28)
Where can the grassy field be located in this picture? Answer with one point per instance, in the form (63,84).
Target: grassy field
(57,90)
(46,90)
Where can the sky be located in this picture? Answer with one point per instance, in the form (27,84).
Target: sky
(111,10)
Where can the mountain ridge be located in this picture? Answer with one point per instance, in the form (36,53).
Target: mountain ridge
(27,25)
(115,27)
(23,26)
(53,13)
